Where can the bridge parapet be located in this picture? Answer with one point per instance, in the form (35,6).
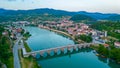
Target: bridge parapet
(55,50)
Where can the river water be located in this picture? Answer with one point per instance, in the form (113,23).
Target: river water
(85,58)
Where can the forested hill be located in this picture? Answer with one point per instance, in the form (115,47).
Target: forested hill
(114,18)
(97,15)
(36,11)
(12,14)
(80,17)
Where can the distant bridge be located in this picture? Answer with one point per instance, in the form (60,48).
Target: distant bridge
(69,48)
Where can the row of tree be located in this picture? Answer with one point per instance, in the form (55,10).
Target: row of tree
(86,38)
(5,48)
(110,52)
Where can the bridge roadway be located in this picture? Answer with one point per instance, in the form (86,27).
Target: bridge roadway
(56,49)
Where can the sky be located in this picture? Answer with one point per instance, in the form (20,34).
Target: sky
(103,6)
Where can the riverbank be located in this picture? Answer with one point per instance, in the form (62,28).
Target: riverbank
(65,34)
(28,62)
(26,46)
(108,52)
(44,39)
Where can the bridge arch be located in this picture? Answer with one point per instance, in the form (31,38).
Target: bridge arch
(70,49)
(50,52)
(43,54)
(57,51)
(75,48)
(64,50)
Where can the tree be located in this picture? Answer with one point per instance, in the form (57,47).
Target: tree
(5,51)
(111,52)
(103,50)
(85,38)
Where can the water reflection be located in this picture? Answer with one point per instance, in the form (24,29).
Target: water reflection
(69,54)
(113,65)
(63,54)
(104,60)
(83,58)
(110,62)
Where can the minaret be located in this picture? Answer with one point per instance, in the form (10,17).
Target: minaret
(105,33)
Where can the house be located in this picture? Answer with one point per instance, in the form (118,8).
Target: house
(106,45)
(117,31)
(5,33)
(117,44)
(94,33)
(71,31)
(13,36)
(19,30)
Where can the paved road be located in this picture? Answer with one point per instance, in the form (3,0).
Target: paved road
(21,45)
(15,54)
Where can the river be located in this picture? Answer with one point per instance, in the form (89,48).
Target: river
(85,58)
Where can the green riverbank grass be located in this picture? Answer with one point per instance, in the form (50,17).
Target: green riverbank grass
(28,62)
(27,47)
(10,62)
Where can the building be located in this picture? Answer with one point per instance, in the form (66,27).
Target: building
(117,44)
(105,33)
(5,33)
(94,33)
(106,45)
(117,31)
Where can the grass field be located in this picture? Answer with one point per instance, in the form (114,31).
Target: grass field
(10,62)
(27,47)
(29,62)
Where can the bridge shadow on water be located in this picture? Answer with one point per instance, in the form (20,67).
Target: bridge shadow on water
(62,54)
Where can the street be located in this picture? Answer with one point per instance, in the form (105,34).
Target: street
(15,54)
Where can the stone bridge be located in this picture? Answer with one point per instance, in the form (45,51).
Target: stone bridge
(64,49)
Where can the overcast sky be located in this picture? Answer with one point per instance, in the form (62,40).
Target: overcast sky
(104,6)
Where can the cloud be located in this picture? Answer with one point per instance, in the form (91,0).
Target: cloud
(105,6)
(13,0)
(10,0)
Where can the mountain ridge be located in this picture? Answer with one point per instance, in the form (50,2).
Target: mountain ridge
(95,15)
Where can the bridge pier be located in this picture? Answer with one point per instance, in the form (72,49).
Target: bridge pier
(84,46)
(64,50)
(70,49)
(79,46)
(37,55)
(50,51)
(34,54)
(75,48)
(88,45)
(57,51)
(42,54)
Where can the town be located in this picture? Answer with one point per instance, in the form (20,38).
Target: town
(59,34)
(65,27)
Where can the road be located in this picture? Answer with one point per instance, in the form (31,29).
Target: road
(21,45)
(15,54)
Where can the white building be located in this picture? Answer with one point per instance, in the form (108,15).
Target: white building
(105,33)
(117,44)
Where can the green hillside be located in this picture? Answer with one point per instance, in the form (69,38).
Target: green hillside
(79,18)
